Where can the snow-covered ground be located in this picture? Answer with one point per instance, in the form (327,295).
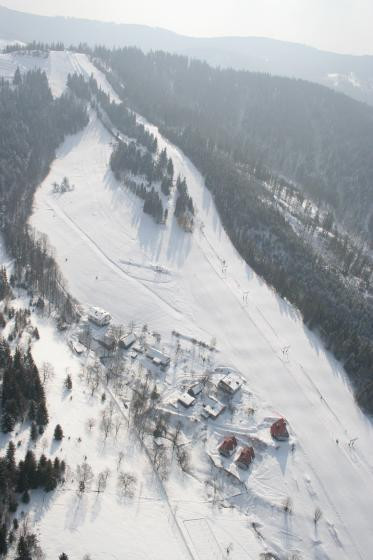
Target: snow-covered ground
(57,65)
(99,231)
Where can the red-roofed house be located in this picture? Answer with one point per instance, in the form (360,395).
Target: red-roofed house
(245,457)
(228,446)
(279,430)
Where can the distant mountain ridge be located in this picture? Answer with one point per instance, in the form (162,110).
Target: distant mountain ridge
(350,74)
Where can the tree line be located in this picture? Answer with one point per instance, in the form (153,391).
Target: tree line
(140,157)
(32,125)
(200,114)
(318,138)
(16,482)
(22,393)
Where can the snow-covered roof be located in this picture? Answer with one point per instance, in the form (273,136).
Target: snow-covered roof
(246,455)
(231,382)
(128,340)
(186,399)
(99,315)
(195,389)
(77,346)
(228,444)
(279,429)
(212,407)
(156,355)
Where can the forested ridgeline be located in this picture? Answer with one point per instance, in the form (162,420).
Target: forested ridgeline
(310,134)
(342,316)
(32,125)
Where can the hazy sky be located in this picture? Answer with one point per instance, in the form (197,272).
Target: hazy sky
(337,25)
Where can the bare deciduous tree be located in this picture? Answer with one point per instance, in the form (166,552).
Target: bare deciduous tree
(183,458)
(120,459)
(91,422)
(102,479)
(161,460)
(84,475)
(288,505)
(106,425)
(93,376)
(126,484)
(117,424)
(47,372)
(317,515)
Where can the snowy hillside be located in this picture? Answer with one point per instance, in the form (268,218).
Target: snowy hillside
(57,65)
(114,256)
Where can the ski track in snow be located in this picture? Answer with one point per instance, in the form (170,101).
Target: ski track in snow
(203,300)
(107,260)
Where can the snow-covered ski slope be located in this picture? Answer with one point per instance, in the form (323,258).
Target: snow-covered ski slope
(106,247)
(56,64)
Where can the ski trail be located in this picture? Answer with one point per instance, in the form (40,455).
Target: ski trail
(301,390)
(110,262)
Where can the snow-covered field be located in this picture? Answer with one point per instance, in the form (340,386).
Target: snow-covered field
(108,250)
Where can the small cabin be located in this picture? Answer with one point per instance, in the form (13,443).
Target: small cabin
(107,341)
(99,316)
(77,347)
(230,383)
(245,457)
(158,357)
(195,389)
(127,341)
(212,408)
(186,400)
(279,430)
(228,446)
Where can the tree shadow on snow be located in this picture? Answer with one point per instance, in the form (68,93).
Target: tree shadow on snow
(150,236)
(41,502)
(179,244)
(76,512)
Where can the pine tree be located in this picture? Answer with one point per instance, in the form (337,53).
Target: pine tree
(27,473)
(58,433)
(3,540)
(34,432)
(63,556)
(68,383)
(170,168)
(42,413)
(32,411)
(7,423)
(10,457)
(17,79)
(25,497)
(25,547)
(51,478)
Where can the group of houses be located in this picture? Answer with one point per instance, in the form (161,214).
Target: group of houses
(101,318)
(245,454)
(211,407)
